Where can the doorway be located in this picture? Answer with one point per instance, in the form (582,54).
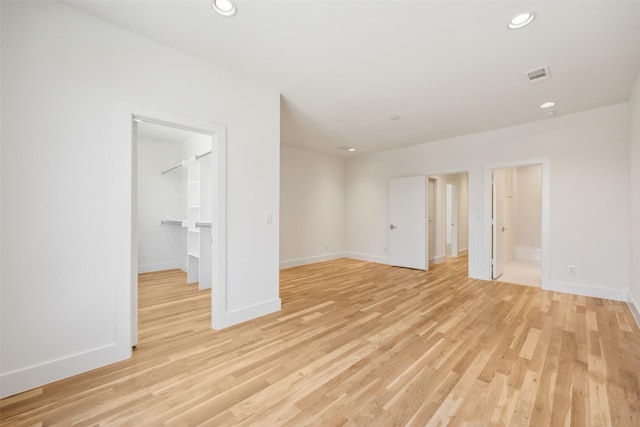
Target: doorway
(172,194)
(516,224)
(131,115)
(448,216)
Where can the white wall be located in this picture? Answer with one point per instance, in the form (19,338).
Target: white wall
(527,212)
(161,196)
(65,307)
(589,178)
(312,207)
(634,196)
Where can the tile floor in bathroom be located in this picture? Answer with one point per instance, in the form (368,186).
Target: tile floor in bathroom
(522,273)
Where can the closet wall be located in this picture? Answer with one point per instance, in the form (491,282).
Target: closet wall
(172,206)
(161,247)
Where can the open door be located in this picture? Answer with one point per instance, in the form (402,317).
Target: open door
(452,193)
(498,226)
(134,233)
(408,233)
(431,213)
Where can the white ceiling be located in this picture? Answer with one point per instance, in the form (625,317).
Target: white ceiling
(446,68)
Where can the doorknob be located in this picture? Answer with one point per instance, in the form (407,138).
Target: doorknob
(392,227)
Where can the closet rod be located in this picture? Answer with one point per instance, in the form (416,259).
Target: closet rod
(203,224)
(172,168)
(171,222)
(204,154)
(182,162)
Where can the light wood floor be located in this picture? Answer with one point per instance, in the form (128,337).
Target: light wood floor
(358,343)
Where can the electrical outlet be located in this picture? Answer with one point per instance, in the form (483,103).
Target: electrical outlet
(572,270)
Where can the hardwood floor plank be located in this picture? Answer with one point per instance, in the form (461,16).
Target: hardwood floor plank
(358,343)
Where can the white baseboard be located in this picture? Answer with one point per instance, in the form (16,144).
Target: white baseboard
(587,291)
(149,268)
(234,317)
(311,260)
(365,257)
(464,251)
(635,309)
(439,259)
(35,376)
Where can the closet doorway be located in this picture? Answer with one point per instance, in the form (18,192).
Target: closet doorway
(177,206)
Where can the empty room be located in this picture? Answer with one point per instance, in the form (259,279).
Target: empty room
(272,213)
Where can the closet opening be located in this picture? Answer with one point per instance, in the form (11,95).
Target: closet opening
(174,183)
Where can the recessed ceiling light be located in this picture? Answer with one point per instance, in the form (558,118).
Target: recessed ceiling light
(395,117)
(547,104)
(522,20)
(225,7)
(549,113)
(346,148)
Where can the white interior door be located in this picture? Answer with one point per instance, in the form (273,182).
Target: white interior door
(498,227)
(431,209)
(407,222)
(454,220)
(134,234)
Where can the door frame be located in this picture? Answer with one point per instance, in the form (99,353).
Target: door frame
(127,291)
(545,214)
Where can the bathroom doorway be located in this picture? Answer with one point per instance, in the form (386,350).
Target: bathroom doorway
(516,213)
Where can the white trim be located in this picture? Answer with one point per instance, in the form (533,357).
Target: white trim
(150,268)
(635,309)
(587,290)
(233,317)
(462,252)
(366,257)
(311,260)
(439,259)
(45,373)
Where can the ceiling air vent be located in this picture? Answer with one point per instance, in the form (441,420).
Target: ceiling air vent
(539,74)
